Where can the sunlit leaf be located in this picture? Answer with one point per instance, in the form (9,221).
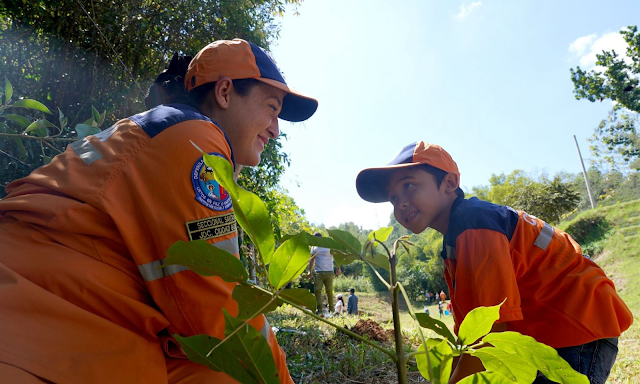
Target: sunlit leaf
(250,349)
(250,211)
(8,90)
(478,323)
(31,104)
(101,119)
(20,120)
(95,113)
(381,234)
(207,260)
(346,239)
(85,130)
(344,258)
(289,260)
(485,378)
(435,325)
(544,358)
(440,357)
(510,365)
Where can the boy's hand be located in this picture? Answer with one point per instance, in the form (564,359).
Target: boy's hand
(338,272)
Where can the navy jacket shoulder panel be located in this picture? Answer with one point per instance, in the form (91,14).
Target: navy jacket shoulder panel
(477,214)
(162,117)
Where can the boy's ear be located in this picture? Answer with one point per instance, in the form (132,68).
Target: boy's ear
(451,182)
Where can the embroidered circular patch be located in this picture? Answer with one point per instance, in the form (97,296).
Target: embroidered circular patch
(208,192)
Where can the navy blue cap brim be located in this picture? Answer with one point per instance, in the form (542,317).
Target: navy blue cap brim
(372,183)
(297,108)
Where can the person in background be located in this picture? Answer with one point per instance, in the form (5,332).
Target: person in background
(443,296)
(352,302)
(340,308)
(321,268)
(82,297)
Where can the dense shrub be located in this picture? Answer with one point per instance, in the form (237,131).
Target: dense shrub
(588,229)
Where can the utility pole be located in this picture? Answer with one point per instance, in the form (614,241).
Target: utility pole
(584,172)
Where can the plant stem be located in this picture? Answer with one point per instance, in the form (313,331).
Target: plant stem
(29,137)
(401,362)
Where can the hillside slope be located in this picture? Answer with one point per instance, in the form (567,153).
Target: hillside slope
(618,253)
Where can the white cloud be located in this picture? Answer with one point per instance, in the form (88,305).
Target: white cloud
(584,49)
(465,10)
(366,215)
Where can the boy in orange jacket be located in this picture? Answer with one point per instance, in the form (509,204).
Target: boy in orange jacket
(554,293)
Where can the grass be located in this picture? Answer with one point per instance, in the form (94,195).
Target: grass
(317,353)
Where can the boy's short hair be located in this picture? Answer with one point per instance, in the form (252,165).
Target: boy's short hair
(439,174)
(352,290)
(372,183)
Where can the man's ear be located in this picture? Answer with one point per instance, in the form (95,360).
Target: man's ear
(222,91)
(451,182)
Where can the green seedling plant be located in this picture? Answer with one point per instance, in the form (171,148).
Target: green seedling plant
(244,353)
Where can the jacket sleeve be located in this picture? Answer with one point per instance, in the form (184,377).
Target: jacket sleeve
(484,274)
(157,200)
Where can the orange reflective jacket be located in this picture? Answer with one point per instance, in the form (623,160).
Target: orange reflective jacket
(81,296)
(554,293)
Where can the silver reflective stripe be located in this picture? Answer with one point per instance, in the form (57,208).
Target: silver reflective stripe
(87,152)
(150,271)
(544,238)
(265,329)
(230,245)
(451,252)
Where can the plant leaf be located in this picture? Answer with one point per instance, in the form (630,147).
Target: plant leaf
(207,260)
(95,113)
(378,260)
(197,347)
(510,365)
(346,239)
(441,358)
(344,258)
(250,211)
(544,358)
(478,323)
(300,296)
(102,116)
(23,151)
(85,130)
(381,234)
(435,325)
(8,90)
(39,127)
(485,378)
(289,260)
(250,299)
(250,349)
(31,104)
(20,120)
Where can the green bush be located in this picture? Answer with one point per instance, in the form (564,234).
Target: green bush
(588,229)
(360,284)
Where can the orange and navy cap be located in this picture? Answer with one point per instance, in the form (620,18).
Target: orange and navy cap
(240,59)
(371,183)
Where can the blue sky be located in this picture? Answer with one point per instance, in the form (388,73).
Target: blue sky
(487,80)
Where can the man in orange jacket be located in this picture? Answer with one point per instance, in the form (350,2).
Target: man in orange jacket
(82,299)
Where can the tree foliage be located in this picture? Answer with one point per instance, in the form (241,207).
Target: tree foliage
(615,140)
(620,78)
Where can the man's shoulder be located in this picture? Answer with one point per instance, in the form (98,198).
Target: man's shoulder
(474,213)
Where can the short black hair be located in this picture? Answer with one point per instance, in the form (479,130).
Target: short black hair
(317,234)
(439,174)
(352,290)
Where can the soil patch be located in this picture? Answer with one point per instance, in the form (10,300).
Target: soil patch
(371,329)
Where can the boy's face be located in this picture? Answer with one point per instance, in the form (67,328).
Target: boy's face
(418,202)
